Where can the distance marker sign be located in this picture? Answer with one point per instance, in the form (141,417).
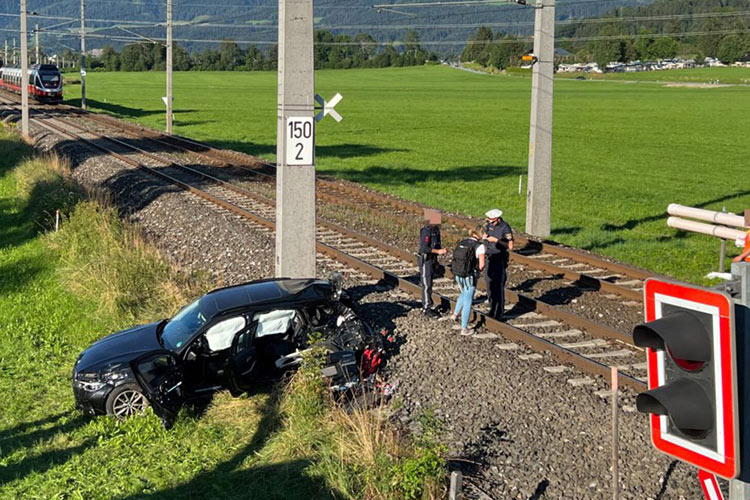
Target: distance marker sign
(300,141)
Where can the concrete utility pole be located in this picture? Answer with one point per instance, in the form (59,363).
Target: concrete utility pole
(169,66)
(36,42)
(295,142)
(83,54)
(5,58)
(24,73)
(539,185)
(15,61)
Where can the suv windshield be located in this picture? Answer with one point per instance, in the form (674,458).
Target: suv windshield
(185,323)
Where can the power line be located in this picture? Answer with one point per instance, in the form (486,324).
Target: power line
(531,23)
(441,4)
(431,43)
(666,17)
(270,27)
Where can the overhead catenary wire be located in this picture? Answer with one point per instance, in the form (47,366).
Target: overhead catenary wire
(427,43)
(666,17)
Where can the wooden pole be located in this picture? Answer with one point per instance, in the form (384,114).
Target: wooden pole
(615,439)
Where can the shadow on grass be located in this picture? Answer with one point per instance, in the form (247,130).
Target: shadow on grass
(15,275)
(283,481)
(121,110)
(393,176)
(341,151)
(560,231)
(18,438)
(632,223)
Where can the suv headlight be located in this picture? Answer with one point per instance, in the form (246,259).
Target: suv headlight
(90,381)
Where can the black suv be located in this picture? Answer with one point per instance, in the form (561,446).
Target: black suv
(229,338)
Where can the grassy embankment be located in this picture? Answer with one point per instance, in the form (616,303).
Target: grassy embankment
(459,141)
(60,291)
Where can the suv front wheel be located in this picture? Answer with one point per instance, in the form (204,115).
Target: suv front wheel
(125,401)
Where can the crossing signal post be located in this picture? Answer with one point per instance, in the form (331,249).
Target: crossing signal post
(692,375)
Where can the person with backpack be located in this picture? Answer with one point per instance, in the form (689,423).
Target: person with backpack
(466,265)
(430,247)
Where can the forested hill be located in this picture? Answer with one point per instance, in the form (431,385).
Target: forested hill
(667,16)
(665,28)
(442,29)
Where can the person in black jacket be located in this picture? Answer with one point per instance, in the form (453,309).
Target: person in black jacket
(429,249)
(499,243)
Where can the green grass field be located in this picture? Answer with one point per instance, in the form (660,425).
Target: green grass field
(459,141)
(730,75)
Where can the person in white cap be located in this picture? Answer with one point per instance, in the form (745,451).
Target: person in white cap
(498,241)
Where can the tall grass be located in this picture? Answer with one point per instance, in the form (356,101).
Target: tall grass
(44,183)
(103,257)
(356,450)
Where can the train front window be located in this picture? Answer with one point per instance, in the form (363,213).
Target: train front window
(50,80)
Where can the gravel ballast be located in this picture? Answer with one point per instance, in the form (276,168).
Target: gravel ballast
(513,428)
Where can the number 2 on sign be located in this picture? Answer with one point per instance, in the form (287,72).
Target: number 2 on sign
(300,141)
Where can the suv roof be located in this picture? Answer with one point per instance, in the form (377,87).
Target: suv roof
(270,290)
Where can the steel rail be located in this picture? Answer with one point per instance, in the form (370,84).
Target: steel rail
(585,280)
(536,343)
(514,297)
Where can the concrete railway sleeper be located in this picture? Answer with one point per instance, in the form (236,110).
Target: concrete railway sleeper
(536,324)
(588,271)
(566,267)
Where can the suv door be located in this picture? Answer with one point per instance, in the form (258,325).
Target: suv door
(243,361)
(160,376)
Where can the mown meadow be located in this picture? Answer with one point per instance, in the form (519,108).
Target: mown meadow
(459,141)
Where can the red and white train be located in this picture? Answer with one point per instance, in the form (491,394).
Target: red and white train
(45,81)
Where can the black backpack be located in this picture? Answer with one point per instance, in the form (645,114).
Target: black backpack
(464,262)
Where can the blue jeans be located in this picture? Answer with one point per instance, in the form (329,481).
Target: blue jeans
(466,299)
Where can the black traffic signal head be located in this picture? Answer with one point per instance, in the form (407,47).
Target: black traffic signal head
(683,333)
(684,402)
(687,395)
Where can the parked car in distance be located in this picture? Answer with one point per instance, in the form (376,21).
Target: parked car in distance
(229,338)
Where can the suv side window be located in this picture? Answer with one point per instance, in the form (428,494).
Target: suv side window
(220,336)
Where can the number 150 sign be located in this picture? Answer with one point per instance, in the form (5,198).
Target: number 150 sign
(300,141)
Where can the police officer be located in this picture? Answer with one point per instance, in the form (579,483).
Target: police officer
(429,249)
(499,242)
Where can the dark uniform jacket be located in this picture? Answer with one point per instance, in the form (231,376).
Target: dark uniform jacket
(429,239)
(500,231)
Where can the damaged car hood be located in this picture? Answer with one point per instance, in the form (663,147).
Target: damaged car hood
(121,346)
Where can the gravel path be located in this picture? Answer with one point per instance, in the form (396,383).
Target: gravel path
(516,430)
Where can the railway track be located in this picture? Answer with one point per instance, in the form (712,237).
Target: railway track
(586,271)
(590,346)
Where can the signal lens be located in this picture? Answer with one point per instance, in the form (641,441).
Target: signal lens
(686,364)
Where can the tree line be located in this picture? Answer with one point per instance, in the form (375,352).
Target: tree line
(331,52)
(664,38)
(494,49)
(647,40)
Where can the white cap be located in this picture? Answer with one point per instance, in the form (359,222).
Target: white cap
(494,213)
